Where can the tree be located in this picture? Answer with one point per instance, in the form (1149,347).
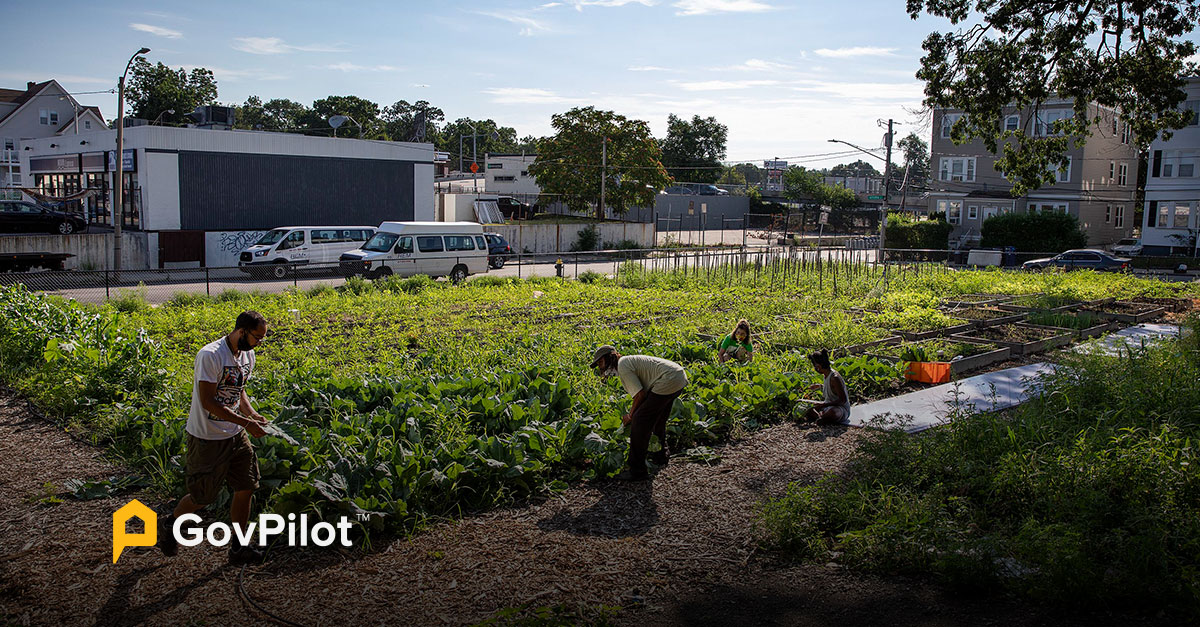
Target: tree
(916,161)
(315,121)
(808,188)
(858,168)
(568,165)
(155,89)
(250,115)
(692,151)
(505,140)
(1125,56)
(402,121)
(753,174)
(281,114)
(731,176)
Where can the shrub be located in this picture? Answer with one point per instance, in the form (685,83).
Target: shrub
(906,232)
(587,239)
(131,300)
(1033,232)
(590,276)
(356,285)
(231,295)
(320,290)
(491,281)
(188,299)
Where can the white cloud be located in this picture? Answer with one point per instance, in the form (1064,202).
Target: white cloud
(526,95)
(345,66)
(858,51)
(704,7)
(550,5)
(529,26)
(420,85)
(873,92)
(579,4)
(156,30)
(725,85)
(225,74)
(647,68)
(275,45)
(754,65)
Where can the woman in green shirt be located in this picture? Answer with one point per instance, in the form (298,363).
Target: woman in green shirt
(737,345)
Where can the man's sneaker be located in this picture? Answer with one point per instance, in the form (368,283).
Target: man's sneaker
(166,540)
(660,458)
(239,555)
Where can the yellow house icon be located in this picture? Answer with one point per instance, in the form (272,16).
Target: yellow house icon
(122,539)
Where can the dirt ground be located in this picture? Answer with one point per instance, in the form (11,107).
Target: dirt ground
(682,549)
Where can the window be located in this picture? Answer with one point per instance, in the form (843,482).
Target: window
(1044,121)
(972,212)
(294,239)
(1194,107)
(53,117)
(325,237)
(15,178)
(505,179)
(404,246)
(1175,163)
(479,243)
(87,125)
(1012,123)
(429,244)
(952,209)
(1112,171)
(360,235)
(44,116)
(459,242)
(957,169)
(948,120)
(1123,174)
(1120,216)
(524,172)
(1107,214)
(1181,215)
(1047,207)
(1064,174)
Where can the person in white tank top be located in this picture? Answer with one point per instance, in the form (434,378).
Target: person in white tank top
(834,409)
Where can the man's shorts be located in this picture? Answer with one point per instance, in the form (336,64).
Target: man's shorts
(835,415)
(213,462)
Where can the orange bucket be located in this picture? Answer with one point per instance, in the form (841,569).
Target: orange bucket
(928,371)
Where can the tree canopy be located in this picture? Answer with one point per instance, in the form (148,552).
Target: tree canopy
(916,161)
(692,151)
(858,168)
(808,188)
(568,164)
(155,89)
(1009,55)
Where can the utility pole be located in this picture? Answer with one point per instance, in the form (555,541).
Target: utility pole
(603,177)
(887,188)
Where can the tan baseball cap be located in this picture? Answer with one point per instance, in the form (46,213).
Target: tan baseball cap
(601,353)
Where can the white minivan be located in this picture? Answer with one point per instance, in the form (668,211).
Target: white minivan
(280,249)
(449,249)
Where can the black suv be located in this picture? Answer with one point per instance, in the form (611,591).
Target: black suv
(18,216)
(513,209)
(498,250)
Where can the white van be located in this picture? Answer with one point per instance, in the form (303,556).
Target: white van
(450,249)
(280,249)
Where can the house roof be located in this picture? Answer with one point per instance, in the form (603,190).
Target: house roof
(24,97)
(990,193)
(10,95)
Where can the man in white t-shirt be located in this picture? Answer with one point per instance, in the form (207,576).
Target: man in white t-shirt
(218,449)
(654,383)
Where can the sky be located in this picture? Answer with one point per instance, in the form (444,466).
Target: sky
(783,76)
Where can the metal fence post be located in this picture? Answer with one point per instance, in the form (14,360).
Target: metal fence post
(295,280)
(106,282)
(207,282)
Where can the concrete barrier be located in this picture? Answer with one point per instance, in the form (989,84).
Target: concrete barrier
(93,251)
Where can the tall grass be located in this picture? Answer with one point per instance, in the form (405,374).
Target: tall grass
(1089,494)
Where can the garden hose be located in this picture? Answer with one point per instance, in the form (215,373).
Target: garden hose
(242,591)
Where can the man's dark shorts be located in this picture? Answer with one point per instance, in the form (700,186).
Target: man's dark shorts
(213,462)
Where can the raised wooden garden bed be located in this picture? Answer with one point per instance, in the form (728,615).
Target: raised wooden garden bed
(940,371)
(1023,339)
(1129,312)
(868,346)
(1171,304)
(917,336)
(974,300)
(987,316)
(1086,324)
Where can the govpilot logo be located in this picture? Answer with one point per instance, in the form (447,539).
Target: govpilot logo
(219,533)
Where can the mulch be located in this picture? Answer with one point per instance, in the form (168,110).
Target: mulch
(681,549)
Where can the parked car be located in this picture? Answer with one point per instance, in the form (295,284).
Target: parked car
(1129,247)
(1082,259)
(680,190)
(18,216)
(498,250)
(450,249)
(711,190)
(514,209)
(289,246)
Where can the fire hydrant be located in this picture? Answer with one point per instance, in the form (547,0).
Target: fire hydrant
(558,267)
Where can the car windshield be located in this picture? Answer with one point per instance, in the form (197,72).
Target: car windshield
(381,242)
(1127,242)
(272,237)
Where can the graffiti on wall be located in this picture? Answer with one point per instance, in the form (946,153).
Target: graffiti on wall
(221,248)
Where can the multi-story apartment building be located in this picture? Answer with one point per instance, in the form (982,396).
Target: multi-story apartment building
(40,110)
(1097,186)
(1172,217)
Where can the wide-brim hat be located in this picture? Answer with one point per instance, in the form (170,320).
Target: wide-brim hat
(601,353)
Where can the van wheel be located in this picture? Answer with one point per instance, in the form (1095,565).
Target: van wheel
(458,274)
(279,271)
(382,272)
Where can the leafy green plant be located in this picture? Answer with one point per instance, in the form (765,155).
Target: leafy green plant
(588,238)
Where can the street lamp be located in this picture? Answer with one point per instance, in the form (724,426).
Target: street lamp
(118,209)
(75,106)
(887,175)
(160,114)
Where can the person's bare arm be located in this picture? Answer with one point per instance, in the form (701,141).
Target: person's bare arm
(839,391)
(208,400)
(247,410)
(637,400)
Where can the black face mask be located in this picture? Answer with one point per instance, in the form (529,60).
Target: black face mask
(243,343)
